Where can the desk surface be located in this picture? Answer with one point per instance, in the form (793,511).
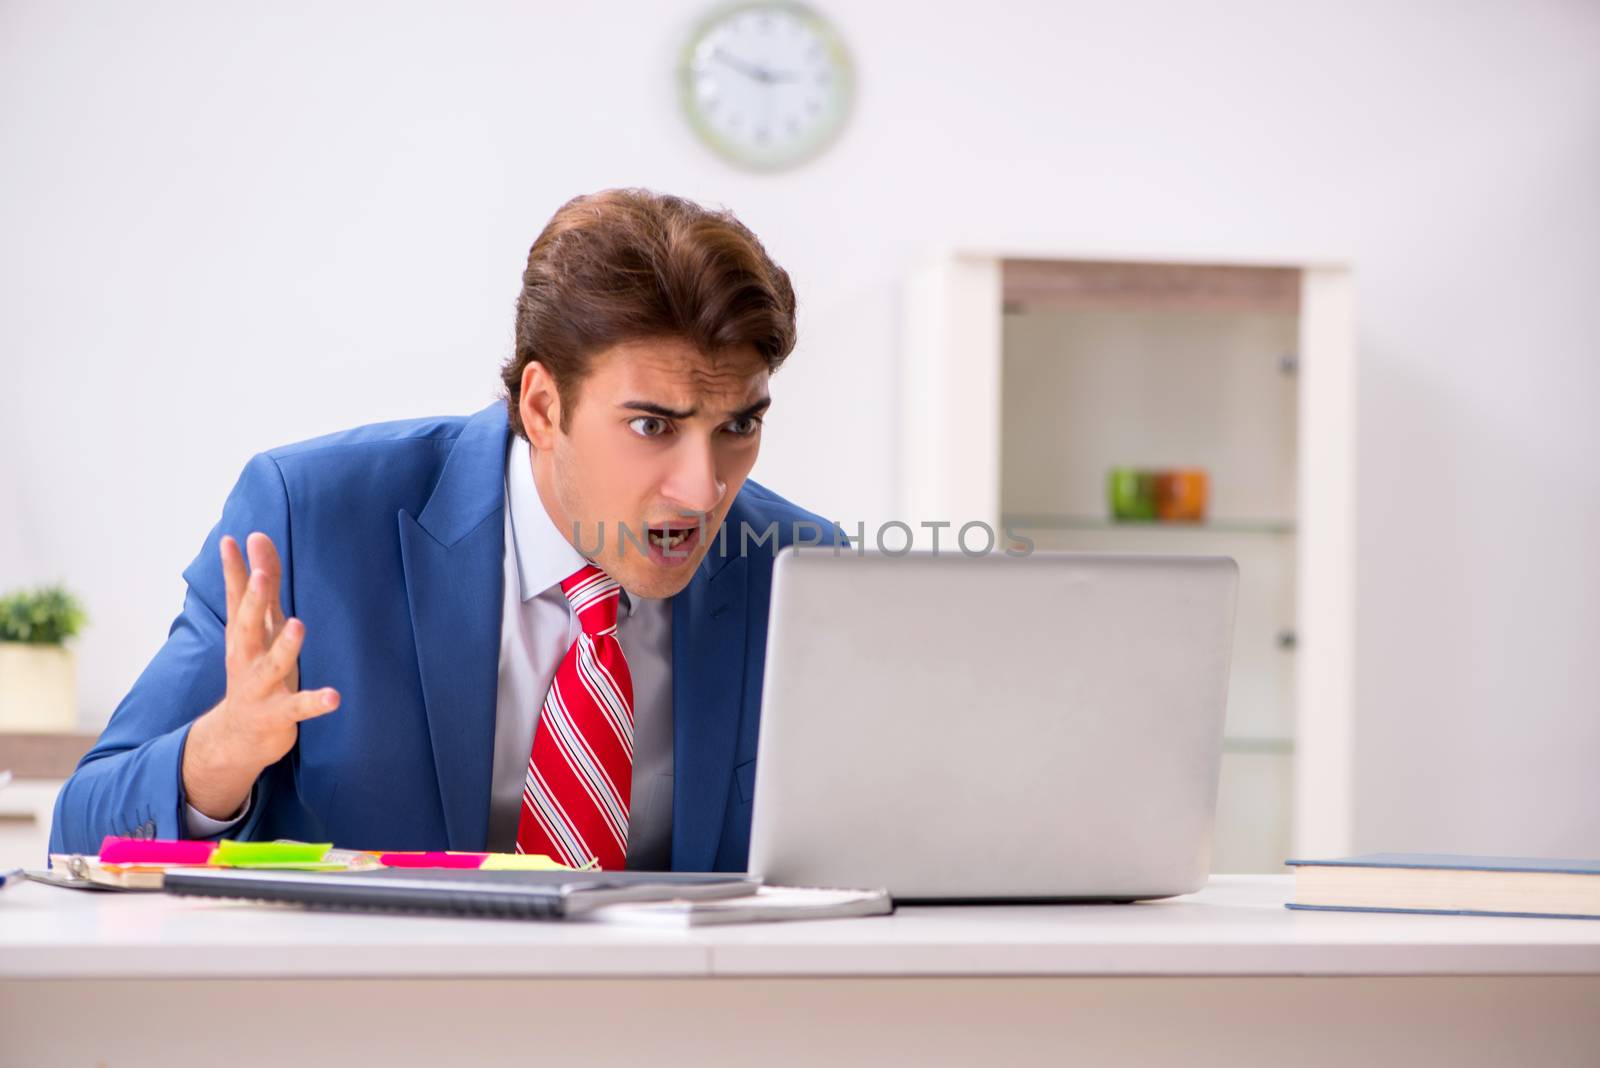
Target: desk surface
(1236,926)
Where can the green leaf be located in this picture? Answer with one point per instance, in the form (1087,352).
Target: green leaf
(48,615)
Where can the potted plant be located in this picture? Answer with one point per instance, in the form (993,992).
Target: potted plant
(38,681)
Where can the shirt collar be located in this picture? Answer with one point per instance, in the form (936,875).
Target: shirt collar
(544,557)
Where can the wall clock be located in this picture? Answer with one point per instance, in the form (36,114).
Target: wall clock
(767,85)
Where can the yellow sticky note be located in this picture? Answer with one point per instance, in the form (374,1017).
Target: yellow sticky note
(520,862)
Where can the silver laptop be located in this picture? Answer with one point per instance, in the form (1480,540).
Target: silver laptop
(1044,727)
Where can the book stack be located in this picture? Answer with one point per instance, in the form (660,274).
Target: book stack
(1445,883)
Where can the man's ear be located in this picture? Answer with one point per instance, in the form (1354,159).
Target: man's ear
(539,404)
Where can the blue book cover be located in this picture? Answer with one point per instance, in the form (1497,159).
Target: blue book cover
(1459,863)
(1453,862)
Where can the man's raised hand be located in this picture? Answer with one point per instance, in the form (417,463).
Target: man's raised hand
(259,717)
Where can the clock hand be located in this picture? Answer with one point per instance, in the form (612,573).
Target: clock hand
(760,74)
(739,65)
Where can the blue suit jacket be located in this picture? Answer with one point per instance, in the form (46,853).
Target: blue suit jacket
(391,538)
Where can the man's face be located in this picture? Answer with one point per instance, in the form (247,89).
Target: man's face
(659,437)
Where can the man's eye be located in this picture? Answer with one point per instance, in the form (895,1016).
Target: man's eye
(744,427)
(648,426)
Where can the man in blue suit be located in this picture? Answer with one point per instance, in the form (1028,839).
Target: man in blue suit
(380,674)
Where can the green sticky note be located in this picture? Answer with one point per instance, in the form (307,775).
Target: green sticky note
(230,854)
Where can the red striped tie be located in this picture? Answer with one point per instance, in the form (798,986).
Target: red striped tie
(580,773)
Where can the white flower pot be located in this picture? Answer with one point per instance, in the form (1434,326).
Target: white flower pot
(38,688)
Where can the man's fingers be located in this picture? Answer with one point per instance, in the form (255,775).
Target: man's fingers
(308,704)
(264,558)
(247,629)
(279,662)
(234,575)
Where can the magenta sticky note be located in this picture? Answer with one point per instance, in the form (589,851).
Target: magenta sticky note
(116,850)
(431,860)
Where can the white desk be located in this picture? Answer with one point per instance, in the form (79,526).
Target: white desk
(1226,976)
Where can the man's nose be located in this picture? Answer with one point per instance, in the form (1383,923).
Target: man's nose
(692,483)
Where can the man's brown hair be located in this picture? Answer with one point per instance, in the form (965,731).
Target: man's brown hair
(631,264)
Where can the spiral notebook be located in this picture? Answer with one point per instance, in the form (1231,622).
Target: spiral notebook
(541,895)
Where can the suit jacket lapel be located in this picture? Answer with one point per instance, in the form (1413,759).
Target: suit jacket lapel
(453,553)
(708,670)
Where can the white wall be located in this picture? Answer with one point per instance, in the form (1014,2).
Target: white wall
(228,226)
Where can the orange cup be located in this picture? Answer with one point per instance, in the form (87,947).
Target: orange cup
(1182,494)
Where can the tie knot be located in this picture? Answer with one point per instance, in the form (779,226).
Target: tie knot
(593,595)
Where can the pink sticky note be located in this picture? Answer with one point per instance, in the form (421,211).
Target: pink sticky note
(431,860)
(116,850)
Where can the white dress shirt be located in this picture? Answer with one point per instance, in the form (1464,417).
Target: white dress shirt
(537,627)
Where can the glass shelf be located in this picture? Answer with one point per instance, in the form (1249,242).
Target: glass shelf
(1037,521)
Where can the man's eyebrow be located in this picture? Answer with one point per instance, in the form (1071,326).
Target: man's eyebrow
(652,408)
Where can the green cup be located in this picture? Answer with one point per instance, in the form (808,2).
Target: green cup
(1132,493)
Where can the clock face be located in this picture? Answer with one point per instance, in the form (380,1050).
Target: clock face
(767,85)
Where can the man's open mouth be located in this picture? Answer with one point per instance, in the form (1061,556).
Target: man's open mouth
(670,538)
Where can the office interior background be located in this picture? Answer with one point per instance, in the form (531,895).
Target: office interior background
(229,227)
